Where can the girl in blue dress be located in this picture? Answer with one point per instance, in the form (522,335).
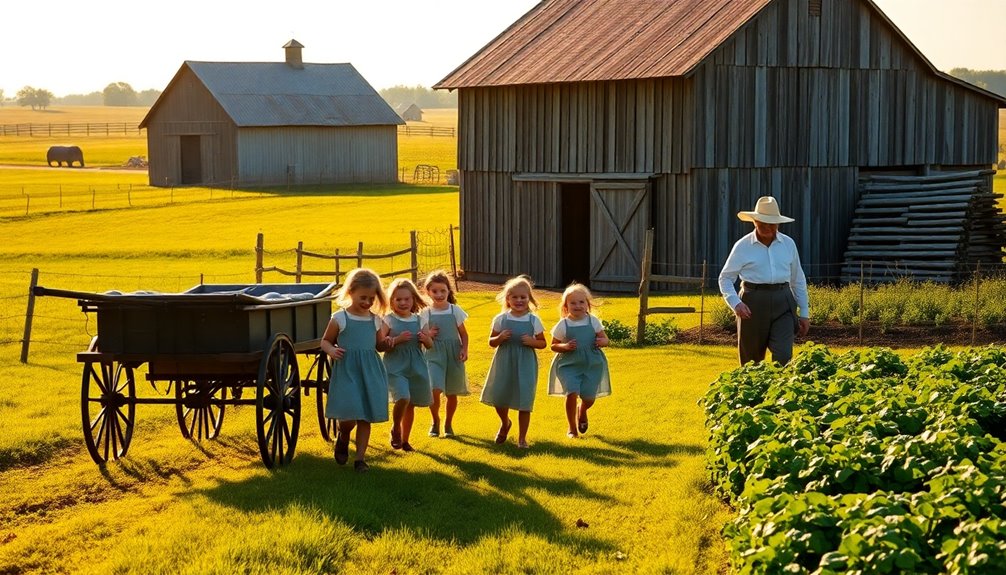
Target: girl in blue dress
(513,375)
(447,358)
(579,368)
(358,392)
(402,334)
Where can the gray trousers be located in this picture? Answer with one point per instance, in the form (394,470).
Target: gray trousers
(772,325)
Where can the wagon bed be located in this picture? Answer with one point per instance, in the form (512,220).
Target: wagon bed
(209,343)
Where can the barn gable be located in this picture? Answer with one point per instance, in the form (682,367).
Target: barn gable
(701,106)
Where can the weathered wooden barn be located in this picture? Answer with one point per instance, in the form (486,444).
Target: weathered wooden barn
(252,123)
(587,121)
(410,113)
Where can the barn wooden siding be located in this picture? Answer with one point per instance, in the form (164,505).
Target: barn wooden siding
(842,89)
(309,155)
(598,127)
(523,235)
(193,112)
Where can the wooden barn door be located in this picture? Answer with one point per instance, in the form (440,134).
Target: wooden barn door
(619,214)
(192,160)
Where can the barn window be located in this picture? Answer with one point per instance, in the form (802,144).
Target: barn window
(814,8)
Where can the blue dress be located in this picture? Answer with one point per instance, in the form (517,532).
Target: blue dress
(513,374)
(359,386)
(408,374)
(447,372)
(583,371)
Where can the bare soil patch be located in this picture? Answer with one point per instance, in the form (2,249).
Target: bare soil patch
(839,335)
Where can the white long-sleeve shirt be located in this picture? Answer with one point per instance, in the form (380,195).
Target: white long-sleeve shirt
(754,262)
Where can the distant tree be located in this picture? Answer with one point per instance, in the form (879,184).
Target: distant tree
(147,97)
(1,97)
(119,94)
(991,80)
(419,95)
(37,98)
(91,99)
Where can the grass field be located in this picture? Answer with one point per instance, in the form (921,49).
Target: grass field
(458,506)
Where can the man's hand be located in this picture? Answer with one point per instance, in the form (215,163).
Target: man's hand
(804,327)
(742,311)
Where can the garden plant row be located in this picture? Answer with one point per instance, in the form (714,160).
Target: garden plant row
(863,462)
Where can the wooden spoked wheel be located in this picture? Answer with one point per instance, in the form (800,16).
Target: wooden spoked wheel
(107,409)
(199,408)
(321,370)
(277,402)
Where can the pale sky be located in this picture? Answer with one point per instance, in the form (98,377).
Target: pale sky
(78,46)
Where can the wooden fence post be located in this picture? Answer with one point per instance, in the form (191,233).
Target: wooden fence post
(974,320)
(28,315)
(359,255)
(415,256)
(337,273)
(644,286)
(454,261)
(259,251)
(862,283)
(300,260)
(702,302)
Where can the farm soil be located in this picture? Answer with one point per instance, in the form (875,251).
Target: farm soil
(839,335)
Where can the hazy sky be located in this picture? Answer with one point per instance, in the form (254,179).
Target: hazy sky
(78,46)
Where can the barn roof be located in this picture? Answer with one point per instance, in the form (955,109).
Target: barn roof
(590,40)
(270,94)
(594,40)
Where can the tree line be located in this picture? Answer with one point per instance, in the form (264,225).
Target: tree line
(991,80)
(115,94)
(421,96)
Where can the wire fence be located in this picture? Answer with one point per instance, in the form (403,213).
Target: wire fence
(77,129)
(37,199)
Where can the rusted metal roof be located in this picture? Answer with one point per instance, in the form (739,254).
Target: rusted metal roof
(592,40)
(259,94)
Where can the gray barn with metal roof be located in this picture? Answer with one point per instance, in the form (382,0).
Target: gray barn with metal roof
(254,123)
(588,121)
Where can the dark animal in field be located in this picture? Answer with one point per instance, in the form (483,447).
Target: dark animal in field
(68,154)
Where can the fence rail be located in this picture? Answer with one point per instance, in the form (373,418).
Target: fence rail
(437,131)
(81,129)
(337,270)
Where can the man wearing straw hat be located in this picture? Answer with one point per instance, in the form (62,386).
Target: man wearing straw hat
(772,305)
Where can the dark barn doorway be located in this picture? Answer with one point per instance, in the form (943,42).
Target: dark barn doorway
(191,156)
(575,226)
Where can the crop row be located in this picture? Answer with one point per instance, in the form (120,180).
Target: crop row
(863,462)
(900,303)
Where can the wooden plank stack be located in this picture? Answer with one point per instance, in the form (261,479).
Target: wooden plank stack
(935,227)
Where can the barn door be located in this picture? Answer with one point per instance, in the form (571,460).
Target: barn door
(192,160)
(620,214)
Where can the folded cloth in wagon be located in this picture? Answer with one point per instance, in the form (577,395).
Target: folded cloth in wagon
(772,305)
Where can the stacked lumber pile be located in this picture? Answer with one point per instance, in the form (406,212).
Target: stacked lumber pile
(935,227)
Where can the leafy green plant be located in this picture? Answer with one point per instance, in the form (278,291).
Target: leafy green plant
(617,332)
(660,333)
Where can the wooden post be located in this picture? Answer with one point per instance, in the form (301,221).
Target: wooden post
(454,261)
(862,283)
(644,286)
(27,204)
(26,340)
(974,320)
(92,198)
(702,302)
(201,282)
(337,273)
(359,255)
(300,261)
(415,256)
(259,252)
(61,196)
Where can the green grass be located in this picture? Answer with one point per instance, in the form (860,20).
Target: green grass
(463,506)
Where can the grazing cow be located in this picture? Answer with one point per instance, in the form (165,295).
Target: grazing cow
(68,154)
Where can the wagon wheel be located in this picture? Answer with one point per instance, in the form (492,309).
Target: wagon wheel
(277,402)
(323,375)
(199,408)
(107,409)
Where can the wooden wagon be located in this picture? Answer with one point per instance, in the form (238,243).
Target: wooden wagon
(210,344)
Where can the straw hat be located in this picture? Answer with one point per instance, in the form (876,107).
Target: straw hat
(766,211)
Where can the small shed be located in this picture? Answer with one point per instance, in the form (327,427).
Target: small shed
(253,123)
(410,113)
(588,121)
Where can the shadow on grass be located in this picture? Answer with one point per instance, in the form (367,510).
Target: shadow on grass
(617,453)
(481,500)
